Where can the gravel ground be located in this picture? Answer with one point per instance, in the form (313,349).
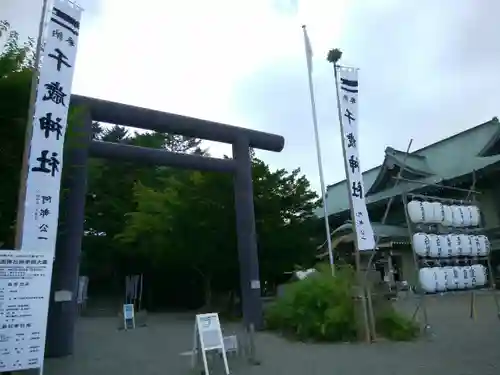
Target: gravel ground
(458,346)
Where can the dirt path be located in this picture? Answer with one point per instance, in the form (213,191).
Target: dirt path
(472,349)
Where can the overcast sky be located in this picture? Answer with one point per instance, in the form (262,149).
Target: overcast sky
(428,69)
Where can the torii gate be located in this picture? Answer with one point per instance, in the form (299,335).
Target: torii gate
(62,315)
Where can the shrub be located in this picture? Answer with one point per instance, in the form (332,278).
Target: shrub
(395,326)
(319,308)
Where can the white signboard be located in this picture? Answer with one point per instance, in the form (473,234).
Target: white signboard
(208,336)
(128,316)
(49,128)
(24,302)
(348,95)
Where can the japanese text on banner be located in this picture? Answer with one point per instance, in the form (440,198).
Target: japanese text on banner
(49,128)
(348,91)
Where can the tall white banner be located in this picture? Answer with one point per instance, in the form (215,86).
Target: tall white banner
(348,95)
(49,128)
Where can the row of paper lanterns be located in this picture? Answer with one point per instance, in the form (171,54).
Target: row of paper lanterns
(450,245)
(442,279)
(447,215)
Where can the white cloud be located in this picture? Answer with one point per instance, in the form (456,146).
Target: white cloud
(426,71)
(183,57)
(427,68)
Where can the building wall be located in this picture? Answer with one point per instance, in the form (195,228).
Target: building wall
(489,202)
(408,271)
(407,264)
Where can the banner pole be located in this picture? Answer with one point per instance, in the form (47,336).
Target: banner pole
(359,275)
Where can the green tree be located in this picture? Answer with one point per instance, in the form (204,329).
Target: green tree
(171,223)
(15,57)
(189,224)
(284,210)
(111,196)
(16,61)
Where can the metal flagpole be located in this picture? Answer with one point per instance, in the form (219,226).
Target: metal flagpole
(318,146)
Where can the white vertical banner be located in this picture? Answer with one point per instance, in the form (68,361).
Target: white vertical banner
(49,128)
(348,95)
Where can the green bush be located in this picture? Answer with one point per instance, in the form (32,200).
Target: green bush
(394,326)
(319,308)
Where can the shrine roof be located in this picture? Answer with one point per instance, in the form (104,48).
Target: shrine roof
(451,158)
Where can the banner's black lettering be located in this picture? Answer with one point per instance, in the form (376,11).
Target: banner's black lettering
(357,190)
(64,20)
(47,164)
(61,59)
(349,115)
(349,85)
(55,93)
(353,164)
(351,141)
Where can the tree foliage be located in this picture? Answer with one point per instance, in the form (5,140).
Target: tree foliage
(16,60)
(177,227)
(191,221)
(321,308)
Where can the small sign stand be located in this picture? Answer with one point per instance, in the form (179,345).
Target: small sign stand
(128,316)
(207,337)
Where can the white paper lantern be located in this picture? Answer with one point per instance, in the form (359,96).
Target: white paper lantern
(416,211)
(421,244)
(447,216)
(485,275)
(466,215)
(479,275)
(484,245)
(476,245)
(451,276)
(437,213)
(463,216)
(435,246)
(440,279)
(427,278)
(457,244)
(475,216)
(462,242)
(467,277)
(458,216)
(446,245)
(428,212)
(459,274)
(466,244)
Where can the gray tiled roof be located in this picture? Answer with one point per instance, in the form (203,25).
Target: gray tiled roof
(447,159)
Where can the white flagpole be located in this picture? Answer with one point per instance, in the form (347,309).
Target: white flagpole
(318,147)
